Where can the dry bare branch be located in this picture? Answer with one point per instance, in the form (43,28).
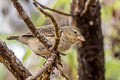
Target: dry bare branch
(54,53)
(30,25)
(49,63)
(56,11)
(57,32)
(12,63)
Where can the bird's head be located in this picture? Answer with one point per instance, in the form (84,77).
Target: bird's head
(73,34)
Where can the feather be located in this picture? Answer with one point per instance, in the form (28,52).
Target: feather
(44,30)
(13,38)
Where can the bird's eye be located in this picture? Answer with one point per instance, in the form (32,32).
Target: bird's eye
(75,32)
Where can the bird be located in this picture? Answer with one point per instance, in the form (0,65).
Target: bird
(69,35)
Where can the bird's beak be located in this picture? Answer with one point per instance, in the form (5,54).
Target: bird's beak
(81,38)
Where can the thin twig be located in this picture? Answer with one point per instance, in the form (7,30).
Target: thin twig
(57,32)
(12,63)
(30,25)
(56,11)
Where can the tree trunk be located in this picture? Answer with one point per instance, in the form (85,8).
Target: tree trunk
(91,54)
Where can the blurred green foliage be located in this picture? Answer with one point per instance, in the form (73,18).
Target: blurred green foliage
(112,64)
(112,68)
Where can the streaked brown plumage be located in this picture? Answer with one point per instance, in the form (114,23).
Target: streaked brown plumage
(70,35)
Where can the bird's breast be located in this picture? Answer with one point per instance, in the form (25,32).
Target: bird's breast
(64,45)
(39,48)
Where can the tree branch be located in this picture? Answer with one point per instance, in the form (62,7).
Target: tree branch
(53,57)
(56,11)
(30,25)
(12,63)
(49,63)
(57,32)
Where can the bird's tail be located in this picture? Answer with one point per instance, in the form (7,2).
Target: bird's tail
(12,38)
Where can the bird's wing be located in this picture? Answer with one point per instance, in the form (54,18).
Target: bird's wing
(47,30)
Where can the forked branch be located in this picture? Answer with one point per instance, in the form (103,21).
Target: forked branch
(49,63)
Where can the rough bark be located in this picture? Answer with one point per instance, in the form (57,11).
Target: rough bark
(12,63)
(91,54)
